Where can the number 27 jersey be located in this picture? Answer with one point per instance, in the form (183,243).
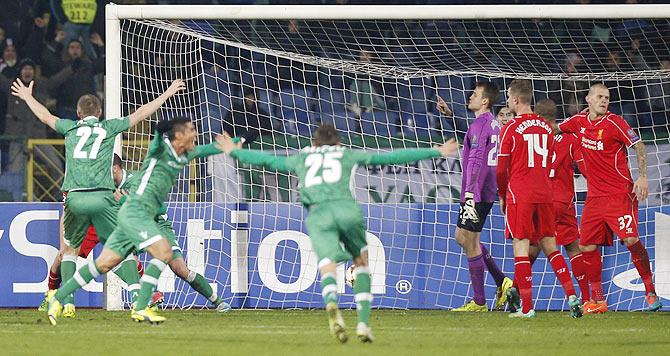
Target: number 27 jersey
(529,142)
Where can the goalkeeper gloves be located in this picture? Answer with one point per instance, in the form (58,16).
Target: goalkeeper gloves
(470,212)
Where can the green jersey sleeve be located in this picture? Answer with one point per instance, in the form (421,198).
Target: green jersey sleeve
(398,156)
(116,126)
(203,151)
(260,158)
(64,125)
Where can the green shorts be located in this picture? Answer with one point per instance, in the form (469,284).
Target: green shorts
(337,230)
(168,233)
(83,208)
(138,230)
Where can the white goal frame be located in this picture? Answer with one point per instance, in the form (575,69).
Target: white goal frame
(115,13)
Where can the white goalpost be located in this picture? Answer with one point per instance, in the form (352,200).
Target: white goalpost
(374,72)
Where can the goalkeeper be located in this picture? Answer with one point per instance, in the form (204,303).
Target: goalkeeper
(172,148)
(335,221)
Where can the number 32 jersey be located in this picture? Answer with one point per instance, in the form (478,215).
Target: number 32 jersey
(89,152)
(529,142)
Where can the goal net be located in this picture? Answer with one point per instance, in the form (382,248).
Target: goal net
(280,71)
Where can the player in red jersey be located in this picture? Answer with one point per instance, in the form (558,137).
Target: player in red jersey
(612,196)
(524,165)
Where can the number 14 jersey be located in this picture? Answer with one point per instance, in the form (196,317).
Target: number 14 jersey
(529,142)
(89,152)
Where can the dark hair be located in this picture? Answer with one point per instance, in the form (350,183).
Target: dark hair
(489,91)
(169,127)
(326,134)
(547,109)
(117,161)
(89,105)
(523,89)
(250,91)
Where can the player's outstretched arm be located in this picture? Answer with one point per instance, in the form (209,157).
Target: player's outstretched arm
(641,186)
(25,93)
(254,157)
(446,149)
(148,109)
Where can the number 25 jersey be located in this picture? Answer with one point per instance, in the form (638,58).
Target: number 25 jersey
(529,142)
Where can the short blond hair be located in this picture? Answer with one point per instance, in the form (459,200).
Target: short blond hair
(89,105)
(523,89)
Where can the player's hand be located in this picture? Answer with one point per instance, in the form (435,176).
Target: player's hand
(641,188)
(176,86)
(502,205)
(117,195)
(469,207)
(448,148)
(226,144)
(443,108)
(19,89)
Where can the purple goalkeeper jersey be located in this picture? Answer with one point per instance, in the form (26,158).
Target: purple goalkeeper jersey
(480,151)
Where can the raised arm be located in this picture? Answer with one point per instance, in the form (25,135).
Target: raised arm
(148,109)
(232,147)
(26,94)
(411,155)
(641,186)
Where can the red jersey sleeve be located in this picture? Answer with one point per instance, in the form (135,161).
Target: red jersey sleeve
(577,156)
(624,132)
(570,125)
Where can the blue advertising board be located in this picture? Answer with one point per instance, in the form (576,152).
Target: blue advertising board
(258,255)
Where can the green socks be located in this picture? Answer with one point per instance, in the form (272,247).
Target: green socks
(68,266)
(329,288)
(127,271)
(362,294)
(80,278)
(149,282)
(200,285)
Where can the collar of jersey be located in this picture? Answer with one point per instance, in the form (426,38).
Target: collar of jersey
(88,118)
(172,151)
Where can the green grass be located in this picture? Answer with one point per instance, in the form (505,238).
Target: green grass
(306,333)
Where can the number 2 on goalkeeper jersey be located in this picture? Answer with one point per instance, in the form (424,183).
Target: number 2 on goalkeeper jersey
(529,142)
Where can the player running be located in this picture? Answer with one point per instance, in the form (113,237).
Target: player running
(478,193)
(523,180)
(89,145)
(335,221)
(611,195)
(172,148)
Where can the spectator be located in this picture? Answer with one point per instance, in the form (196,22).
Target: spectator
(77,17)
(635,57)
(52,60)
(570,92)
(8,65)
(365,94)
(246,119)
(20,120)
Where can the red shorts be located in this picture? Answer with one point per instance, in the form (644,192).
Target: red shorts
(89,243)
(567,231)
(605,216)
(532,221)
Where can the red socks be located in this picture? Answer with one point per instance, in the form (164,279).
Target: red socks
(524,278)
(641,262)
(579,271)
(562,273)
(140,268)
(54,279)
(594,270)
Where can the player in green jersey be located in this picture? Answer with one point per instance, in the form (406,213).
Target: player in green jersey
(172,148)
(335,221)
(89,145)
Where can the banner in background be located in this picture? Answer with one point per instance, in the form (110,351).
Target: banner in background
(259,256)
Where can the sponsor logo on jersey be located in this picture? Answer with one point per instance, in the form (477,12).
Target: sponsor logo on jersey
(632,135)
(582,130)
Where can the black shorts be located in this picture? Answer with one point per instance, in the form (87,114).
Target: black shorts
(482,208)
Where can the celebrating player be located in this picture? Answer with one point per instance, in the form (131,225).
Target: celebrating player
(89,145)
(612,196)
(478,193)
(523,178)
(170,151)
(335,221)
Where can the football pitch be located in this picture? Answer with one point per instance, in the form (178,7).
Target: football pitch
(305,332)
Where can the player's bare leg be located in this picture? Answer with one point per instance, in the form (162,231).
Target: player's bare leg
(578,269)
(523,277)
(363,297)
(103,264)
(641,261)
(548,246)
(594,267)
(161,251)
(329,292)
(197,282)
